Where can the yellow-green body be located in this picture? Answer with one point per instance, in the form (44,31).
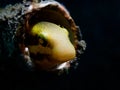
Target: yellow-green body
(59,48)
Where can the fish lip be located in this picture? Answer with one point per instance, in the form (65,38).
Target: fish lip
(57,67)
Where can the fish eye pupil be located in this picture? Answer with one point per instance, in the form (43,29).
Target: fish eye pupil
(40,41)
(43,42)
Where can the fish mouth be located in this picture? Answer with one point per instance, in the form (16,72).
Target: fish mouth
(42,62)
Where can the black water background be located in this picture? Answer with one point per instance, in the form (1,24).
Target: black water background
(99,21)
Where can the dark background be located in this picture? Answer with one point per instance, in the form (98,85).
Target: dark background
(98,69)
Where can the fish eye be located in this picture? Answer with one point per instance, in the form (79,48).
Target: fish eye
(42,42)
